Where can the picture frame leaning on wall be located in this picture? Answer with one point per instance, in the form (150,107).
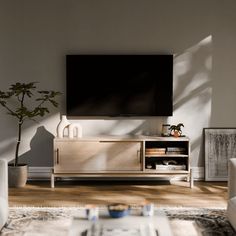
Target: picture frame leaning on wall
(220,146)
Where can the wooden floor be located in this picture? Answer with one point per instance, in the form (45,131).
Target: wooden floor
(162,193)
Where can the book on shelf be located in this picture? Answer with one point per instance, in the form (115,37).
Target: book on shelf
(176,149)
(155,151)
(170,167)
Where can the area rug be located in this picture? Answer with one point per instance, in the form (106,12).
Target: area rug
(56,221)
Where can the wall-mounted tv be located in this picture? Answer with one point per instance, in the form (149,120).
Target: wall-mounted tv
(119,85)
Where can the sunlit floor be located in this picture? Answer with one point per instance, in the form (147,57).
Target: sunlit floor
(163,193)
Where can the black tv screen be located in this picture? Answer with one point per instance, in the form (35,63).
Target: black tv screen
(119,85)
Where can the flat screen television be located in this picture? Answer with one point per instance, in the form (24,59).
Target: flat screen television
(119,85)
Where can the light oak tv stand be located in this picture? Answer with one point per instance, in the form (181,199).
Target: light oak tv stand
(121,156)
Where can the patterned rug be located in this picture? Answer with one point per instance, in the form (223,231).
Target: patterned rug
(56,221)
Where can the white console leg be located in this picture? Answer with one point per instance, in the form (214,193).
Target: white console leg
(191,178)
(188,177)
(52,181)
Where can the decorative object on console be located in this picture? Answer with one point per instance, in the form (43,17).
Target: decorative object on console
(170,162)
(149,166)
(63,124)
(175,130)
(20,92)
(165,130)
(75,130)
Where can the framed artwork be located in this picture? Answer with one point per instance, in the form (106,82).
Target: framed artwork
(220,146)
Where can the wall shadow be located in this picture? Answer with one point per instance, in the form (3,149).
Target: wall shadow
(8,136)
(41,149)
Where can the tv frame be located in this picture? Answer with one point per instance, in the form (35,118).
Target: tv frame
(127,115)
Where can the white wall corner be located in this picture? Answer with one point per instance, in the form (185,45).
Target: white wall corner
(198,173)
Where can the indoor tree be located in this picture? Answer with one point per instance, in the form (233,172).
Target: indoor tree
(24,102)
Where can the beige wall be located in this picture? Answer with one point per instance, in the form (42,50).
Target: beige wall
(35,36)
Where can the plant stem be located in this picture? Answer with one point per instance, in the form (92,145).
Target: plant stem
(19,131)
(18,144)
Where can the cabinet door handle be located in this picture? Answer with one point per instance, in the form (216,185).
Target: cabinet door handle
(139,156)
(104,141)
(57,156)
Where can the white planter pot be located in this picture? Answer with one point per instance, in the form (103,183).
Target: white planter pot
(17,175)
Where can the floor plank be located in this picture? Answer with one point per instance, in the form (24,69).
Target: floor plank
(162,193)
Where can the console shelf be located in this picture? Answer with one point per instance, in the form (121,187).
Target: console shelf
(121,156)
(169,155)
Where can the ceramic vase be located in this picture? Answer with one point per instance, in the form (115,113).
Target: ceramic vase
(64,123)
(75,130)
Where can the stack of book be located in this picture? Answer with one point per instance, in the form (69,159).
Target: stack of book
(175,150)
(170,167)
(155,151)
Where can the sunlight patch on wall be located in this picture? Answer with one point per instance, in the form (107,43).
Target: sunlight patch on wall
(193,93)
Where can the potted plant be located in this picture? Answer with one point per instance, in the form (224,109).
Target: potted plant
(22,111)
(175,130)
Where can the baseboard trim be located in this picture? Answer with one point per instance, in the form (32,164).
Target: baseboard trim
(44,173)
(39,173)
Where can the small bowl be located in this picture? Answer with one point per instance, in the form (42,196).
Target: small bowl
(118,210)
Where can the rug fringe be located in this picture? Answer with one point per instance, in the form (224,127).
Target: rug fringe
(105,206)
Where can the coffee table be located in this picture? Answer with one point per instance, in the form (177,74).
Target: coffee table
(134,224)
